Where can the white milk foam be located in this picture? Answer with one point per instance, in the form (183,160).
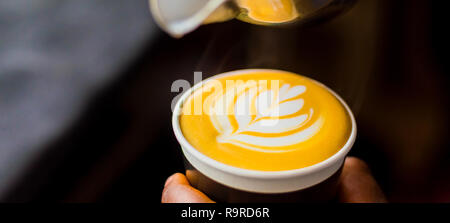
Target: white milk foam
(260,112)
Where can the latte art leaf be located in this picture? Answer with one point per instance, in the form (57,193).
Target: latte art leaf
(264,120)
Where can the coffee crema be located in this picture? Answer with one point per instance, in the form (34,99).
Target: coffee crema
(265,120)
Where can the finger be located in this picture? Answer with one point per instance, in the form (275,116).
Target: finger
(357,184)
(178,190)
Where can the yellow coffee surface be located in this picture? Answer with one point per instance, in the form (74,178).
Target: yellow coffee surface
(270,11)
(265,120)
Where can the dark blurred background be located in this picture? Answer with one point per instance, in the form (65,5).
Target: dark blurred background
(85,93)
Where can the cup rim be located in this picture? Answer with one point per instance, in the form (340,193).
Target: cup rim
(260,174)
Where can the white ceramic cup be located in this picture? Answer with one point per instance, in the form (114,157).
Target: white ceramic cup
(253,181)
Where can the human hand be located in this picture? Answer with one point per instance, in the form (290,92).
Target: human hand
(357,185)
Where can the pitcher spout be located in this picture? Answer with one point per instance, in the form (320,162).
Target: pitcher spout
(179,17)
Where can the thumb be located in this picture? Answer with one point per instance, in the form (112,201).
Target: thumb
(357,184)
(178,190)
